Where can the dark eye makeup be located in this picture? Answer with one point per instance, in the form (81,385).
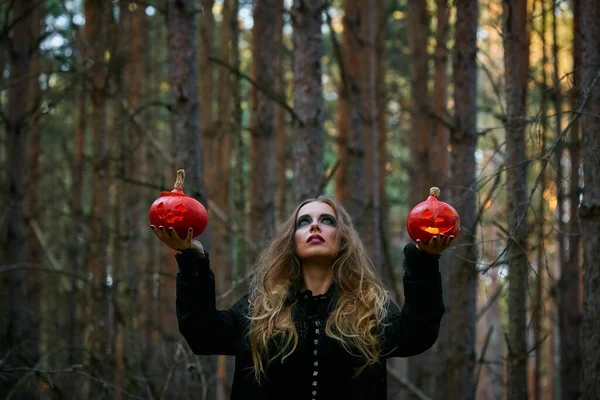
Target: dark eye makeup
(302,221)
(329,218)
(324,218)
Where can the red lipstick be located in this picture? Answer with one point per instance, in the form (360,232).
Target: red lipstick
(315,239)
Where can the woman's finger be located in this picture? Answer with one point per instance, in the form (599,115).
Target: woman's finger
(188,239)
(160,232)
(174,235)
(442,242)
(155,231)
(434,244)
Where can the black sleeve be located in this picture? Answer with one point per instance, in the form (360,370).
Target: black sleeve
(415,329)
(206,329)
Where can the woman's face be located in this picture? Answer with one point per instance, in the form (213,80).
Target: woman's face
(316,234)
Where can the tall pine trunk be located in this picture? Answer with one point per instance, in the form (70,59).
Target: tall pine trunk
(439,166)
(308,132)
(463,140)
(538,304)
(417,33)
(206,80)
(22,341)
(372,221)
(34,213)
(239,155)
(419,367)
(282,145)
(589,210)
(350,177)
(186,130)
(76,253)
(381,31)
(220,178)
(569,294)
(185,115)
(98,334)
(135,170)
(440,137)
(514,16)
(262,177)
(206,84)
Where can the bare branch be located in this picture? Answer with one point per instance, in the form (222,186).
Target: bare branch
(264,90)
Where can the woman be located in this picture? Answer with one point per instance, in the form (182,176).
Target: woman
(317,322)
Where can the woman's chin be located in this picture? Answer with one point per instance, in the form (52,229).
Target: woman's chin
(317,257)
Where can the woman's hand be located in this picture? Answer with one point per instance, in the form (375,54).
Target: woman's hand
(172,239)
(435,245)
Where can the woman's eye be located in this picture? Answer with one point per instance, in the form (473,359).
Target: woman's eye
(328,221)
(302,222)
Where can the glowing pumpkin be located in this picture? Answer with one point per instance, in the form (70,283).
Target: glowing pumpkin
(176,210)
(432,218)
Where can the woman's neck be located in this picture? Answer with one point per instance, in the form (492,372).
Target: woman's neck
(317,278)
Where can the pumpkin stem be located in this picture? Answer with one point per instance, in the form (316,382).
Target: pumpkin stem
(434,191)
(180,179)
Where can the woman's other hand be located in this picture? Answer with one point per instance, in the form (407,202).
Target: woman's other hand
(436,245)
(169,237)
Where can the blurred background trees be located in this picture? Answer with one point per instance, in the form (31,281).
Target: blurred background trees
(265,103)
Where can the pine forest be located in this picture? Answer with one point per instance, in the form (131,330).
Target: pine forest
(266,103)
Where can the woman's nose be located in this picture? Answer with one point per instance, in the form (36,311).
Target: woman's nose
(314,226)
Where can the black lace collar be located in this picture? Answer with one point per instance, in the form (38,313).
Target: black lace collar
(300,293)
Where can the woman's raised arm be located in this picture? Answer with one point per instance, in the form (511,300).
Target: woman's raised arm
(415,329)
(206,329)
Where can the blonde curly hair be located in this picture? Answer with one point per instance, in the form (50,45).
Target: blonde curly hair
(360,311)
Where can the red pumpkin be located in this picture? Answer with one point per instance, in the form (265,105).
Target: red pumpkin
(176,210)
(432,218)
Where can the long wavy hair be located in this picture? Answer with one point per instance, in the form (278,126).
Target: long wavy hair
(358,316)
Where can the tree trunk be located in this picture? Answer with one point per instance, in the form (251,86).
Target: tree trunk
(22,342)
(440,138)
(372,227)
(4,199)
(384,159)
(185,115)
(514,15)
(76,253)
(539,313)
(206,80)
(220,178)
(262,181)
(98,334)
(419,367)
(439,167)
(463,140)
(417,33)
(239,155)
(134,18)
(282,151)
(589,210)
(33,203)
(308,133)
(185,127)
(205,103)
(569,301)
(350,178)
(119,198)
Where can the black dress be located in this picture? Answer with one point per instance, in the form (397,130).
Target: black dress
(319,368)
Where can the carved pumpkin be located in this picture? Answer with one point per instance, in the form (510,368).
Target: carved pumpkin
(432,218)
(176,210)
